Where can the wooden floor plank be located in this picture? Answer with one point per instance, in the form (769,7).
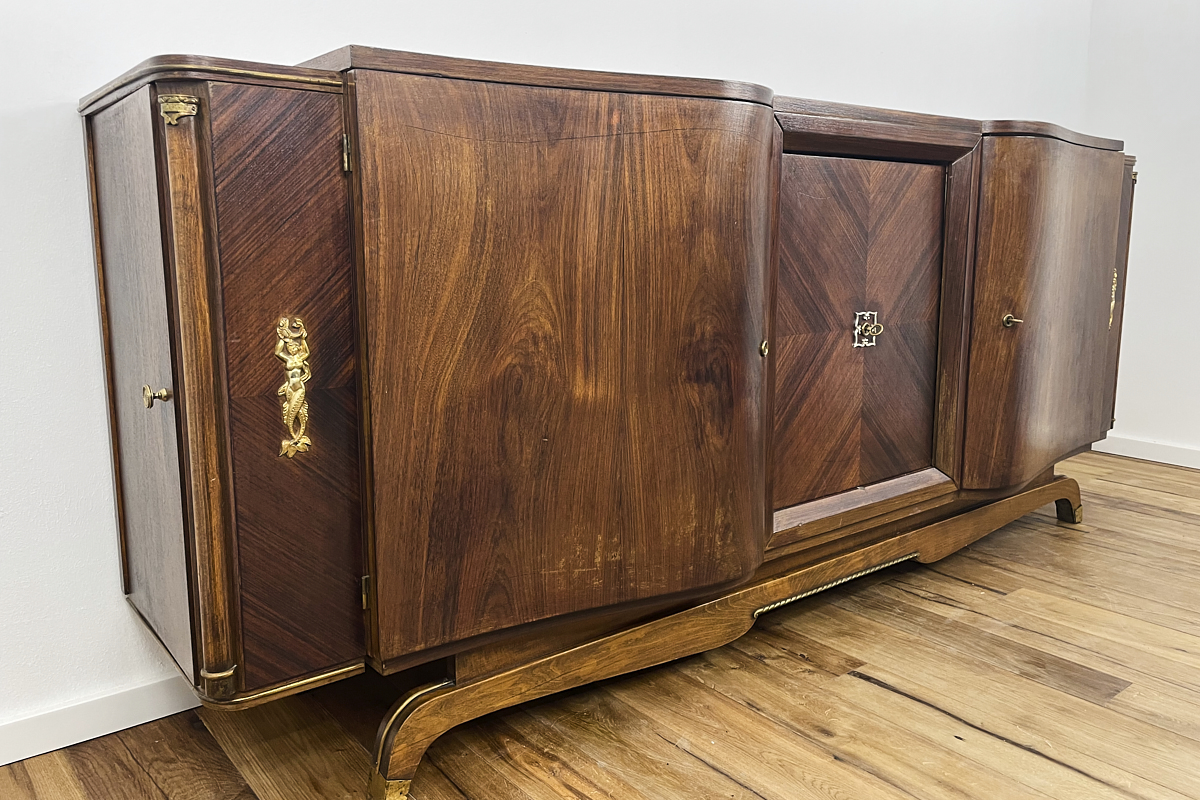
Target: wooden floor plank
(1162,702)
(184,760)
(755,751)
(291,749)
(1079,734)
(628,744)
(872,744)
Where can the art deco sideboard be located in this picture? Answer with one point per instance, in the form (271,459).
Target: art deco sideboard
(499,380)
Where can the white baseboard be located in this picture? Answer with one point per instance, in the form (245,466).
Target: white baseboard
(1146,450)
(41,733)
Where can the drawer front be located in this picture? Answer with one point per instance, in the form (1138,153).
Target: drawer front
(138,353)
(565,295)
(282,213)
(856,237)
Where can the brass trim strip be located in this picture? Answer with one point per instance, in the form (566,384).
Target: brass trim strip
(294,686)
(408,701)
(830,585)
(218,676)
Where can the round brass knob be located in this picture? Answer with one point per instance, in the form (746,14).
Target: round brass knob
(149,396)
(1009,320)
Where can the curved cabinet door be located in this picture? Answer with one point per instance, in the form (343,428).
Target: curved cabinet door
(1050,223)
(564,296)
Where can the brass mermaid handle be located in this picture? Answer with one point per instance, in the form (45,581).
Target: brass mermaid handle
(292,350)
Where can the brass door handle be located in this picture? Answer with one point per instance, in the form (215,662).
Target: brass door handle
(149,396)
(1009,320)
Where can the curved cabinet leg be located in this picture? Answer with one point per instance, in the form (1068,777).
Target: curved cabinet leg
(1069,509)
(426,713)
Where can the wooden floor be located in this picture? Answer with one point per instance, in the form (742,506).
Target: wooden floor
(1046,661)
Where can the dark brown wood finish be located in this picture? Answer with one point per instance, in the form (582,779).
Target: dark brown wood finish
(849,112)
(958,275)
(565,296)
(187,197)
(858,504)
(856,235)
(133,295)
(1021,127)
(185,67)
(1049,225)
(1116,310)
(427,712)
(283,231)
(357,57)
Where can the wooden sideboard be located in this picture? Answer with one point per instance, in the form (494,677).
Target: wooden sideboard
(500,380)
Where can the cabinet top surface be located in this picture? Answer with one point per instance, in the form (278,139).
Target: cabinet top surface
(325,72)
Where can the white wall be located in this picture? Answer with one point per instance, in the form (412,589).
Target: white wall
(66,635)
(1144,84)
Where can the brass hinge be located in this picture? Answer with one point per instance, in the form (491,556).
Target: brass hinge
(345,153)
(366,591)
(1134,176)
(174,106)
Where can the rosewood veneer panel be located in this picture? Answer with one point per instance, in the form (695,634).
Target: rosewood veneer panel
(133,292)
(564,303)
(855,235)
(1049,254)
(283,235)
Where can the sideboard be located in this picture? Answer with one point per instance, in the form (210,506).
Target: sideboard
(499,380)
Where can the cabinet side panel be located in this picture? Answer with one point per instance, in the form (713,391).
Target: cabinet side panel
(1040,389)
(283,234)
(565,296)
(133,282)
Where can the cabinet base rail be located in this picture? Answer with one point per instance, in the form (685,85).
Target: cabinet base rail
(425,713)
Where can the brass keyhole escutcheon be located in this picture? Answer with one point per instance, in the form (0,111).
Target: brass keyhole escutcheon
(149,395)
(866,327)
(764,348)
(1008,320)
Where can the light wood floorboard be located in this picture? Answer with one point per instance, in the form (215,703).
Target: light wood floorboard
(1045,661)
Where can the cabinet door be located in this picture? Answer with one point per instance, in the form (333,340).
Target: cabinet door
(856,235)
(564,301)
(137,341)
(1041,388)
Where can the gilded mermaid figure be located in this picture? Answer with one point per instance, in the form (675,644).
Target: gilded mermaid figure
(292,350)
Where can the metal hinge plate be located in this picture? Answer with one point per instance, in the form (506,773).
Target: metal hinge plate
(366,591)
(345,153)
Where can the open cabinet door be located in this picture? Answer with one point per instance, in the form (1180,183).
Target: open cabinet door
(1050,268)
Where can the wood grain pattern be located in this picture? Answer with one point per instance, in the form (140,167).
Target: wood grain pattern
(201,389)
(861,503)
(357,57)
(1005,683)
(958,284)
(1116,312)
(871,138)
(856,235)
(1048,231)
(204,68)
(424,714)
(131,270)
(581,423)
(283,230)
(1020,127)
